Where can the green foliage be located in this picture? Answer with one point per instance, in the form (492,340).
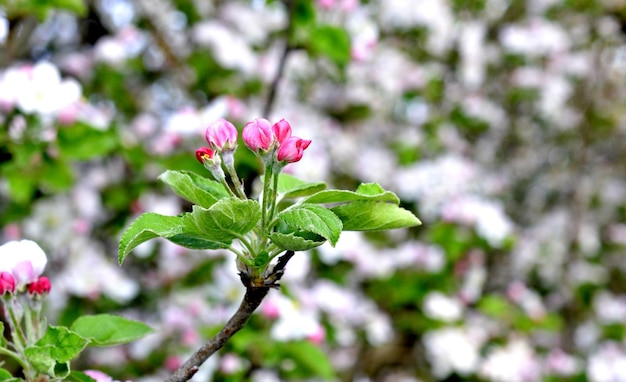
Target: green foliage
(52,353)
(82,142)
(194,188)
(315,219)
(309,360)
(77,376)
(366,191)
(296,241)
(227,219)
(174,228)
(109,330)
(42,8)
(374,216)
(330,42)
(290,187)
(6,376)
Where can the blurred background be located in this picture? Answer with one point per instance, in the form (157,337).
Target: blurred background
(500,123)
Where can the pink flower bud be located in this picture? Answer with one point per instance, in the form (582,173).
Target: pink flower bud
(222,135)
(282,130)
(291,150)
(7,283)
(258,135)
(204,154)
(41,286)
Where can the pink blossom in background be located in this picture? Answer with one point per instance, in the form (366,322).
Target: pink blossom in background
(98,376)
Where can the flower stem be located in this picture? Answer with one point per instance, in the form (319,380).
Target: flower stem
(228,158)
(275,175)
(267,197)
(15,356)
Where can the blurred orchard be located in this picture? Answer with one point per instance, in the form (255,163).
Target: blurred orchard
(500,123)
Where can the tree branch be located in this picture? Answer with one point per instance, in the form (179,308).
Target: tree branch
(252,299)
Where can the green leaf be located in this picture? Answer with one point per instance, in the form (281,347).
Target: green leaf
(82,142)
(56,176)
(52,353)
(173,228)
(6,376)
(496,307)
(366,191)
(227,219)
(290,187)
(78,376)
(331,42)
(109,330)
(310,358)
(374,216)
(21,184)
(295,242)
(146,227)
(313,218)
(194,188)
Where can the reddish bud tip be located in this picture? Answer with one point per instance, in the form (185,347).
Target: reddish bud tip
(41,286)
(204,154)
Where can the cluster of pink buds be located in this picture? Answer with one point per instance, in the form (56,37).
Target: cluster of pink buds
(259,135)
(262,137)
(273,143)
(39,287)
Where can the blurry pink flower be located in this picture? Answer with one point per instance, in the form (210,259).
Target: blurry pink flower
(292,149)
(230,363)
(325,4)
(282,130)
(7,283)
(318,336)
(41,286)
(258,135)
(24,259)
(270,309)
(222,135)
(172,362)
(98,376)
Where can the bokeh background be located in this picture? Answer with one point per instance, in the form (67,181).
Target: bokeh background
(500,123)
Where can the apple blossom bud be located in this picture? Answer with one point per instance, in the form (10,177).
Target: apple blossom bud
(41,286)
(7,283)
(204,154)
(211,162)
(222,135)
(292,149)
(282,130)
(258,135)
